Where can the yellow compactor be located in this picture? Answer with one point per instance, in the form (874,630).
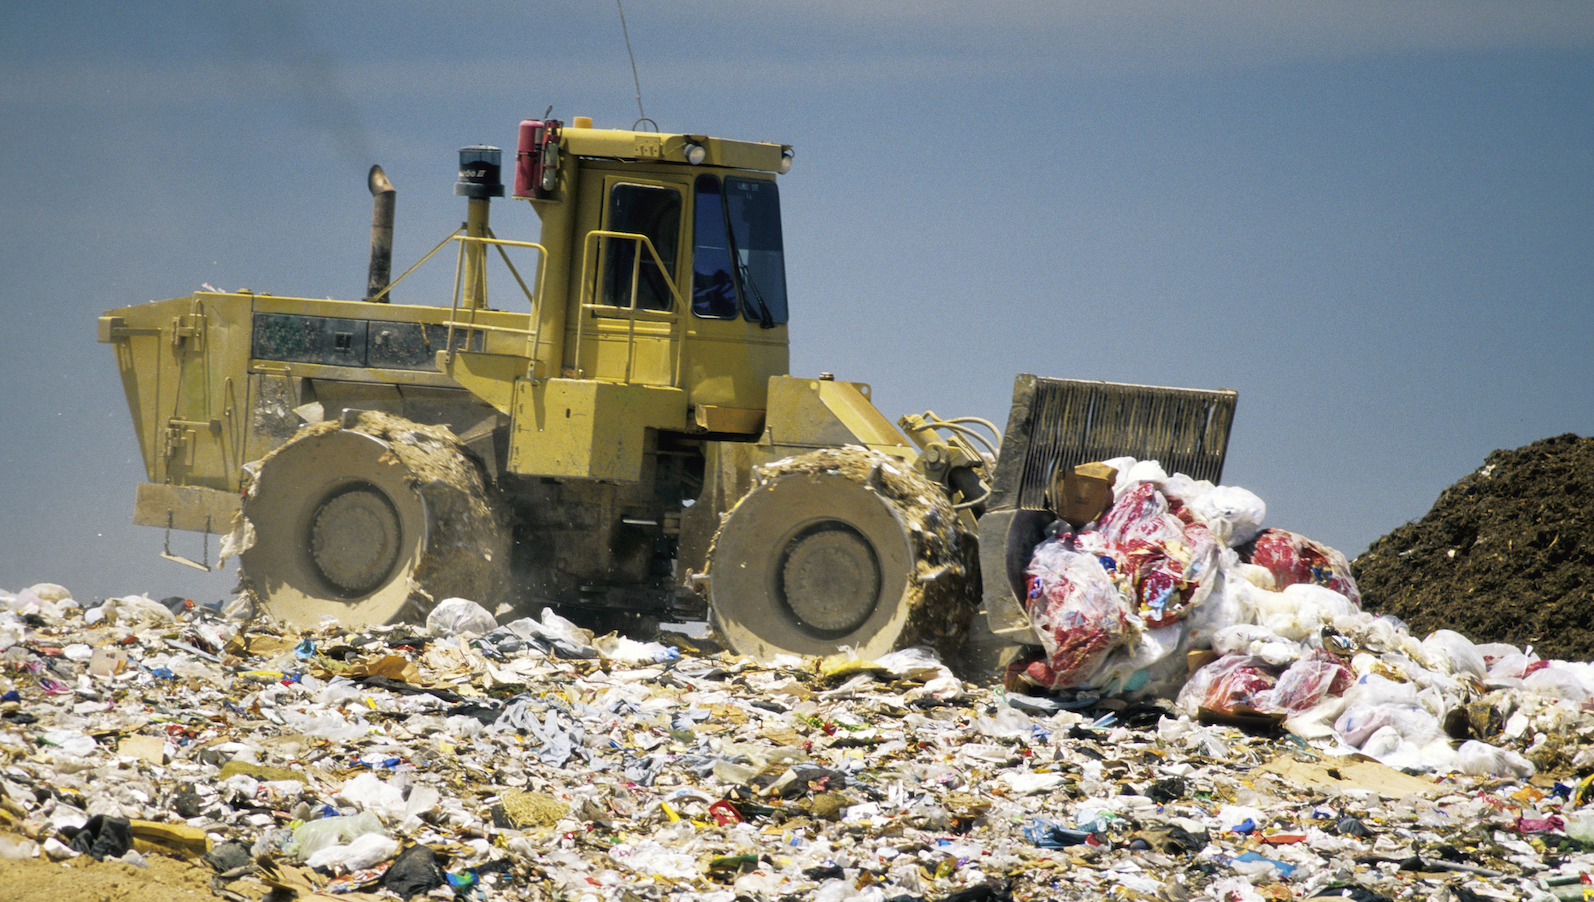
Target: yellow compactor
(614,433)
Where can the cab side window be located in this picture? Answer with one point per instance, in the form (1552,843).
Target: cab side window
(651,210)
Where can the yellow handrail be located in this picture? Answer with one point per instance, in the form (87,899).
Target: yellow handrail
(533,297)
(672,316)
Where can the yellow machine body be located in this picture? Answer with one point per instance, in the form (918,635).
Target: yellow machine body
(601,429)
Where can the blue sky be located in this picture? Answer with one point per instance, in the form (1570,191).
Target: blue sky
(1375,220)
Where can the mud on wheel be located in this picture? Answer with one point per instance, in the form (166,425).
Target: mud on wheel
(370,524)
(841,547)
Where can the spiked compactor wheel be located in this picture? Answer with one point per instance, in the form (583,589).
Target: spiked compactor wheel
(371,524)
(841,547)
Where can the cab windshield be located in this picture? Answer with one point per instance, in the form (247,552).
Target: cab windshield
(738,264)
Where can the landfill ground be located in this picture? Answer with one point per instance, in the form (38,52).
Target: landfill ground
(606,774)
(155,751)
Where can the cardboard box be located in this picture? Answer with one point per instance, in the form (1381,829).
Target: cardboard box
(1084,493)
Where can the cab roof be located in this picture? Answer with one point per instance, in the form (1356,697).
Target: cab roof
(629,145)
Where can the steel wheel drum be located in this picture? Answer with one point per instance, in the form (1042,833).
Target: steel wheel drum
(371,528)
(839,548)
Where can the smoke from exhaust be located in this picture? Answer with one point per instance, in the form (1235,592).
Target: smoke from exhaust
(282,57)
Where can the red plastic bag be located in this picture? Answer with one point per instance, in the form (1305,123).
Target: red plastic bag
(1293,558)
(1165,559)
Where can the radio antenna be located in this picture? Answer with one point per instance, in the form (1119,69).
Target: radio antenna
(634,77)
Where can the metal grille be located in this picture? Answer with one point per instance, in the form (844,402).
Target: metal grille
(1065,422)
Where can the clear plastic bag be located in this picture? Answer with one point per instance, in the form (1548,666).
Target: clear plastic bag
(1225,684)
(1077,612)
(1169,562)
(1307,683)
(460,617)
(313,836)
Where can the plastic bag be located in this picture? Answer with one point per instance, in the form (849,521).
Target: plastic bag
(1295,559)
(1152,664)
(1556,681)
(1132,473)
(362,852)
(1228,603)
(371,793)
(1168,562)
(135,609)
(1360,720)
(1233,514)
(1307,683)
(630,651)
(415,871)
(1454,653)
(1299,611)
(460,617)
(1511,666)
(1077,612)
(1225,684)
(919,662)
(313,836)
(330,725)
(1482,759)
(1257,640)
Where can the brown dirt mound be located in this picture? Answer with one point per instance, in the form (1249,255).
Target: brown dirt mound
(1505,555)
(86,880)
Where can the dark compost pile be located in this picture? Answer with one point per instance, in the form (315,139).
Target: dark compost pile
(1505,555)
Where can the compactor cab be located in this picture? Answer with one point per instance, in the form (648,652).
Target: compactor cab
(661,303)
(611,431)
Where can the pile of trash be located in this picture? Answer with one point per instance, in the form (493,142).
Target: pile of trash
(1505,555)
(1176,590)
(533,760)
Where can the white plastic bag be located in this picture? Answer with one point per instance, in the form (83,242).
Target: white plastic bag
(1234,515)
(1300,610)
(371,793)
(1482,759)
(1254,639)
(1451,652)
(362,852)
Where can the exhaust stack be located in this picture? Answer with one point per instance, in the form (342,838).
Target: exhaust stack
(382,200)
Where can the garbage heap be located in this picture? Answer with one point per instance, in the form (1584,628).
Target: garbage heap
(533,761)
(1505,555)
(1175,590)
